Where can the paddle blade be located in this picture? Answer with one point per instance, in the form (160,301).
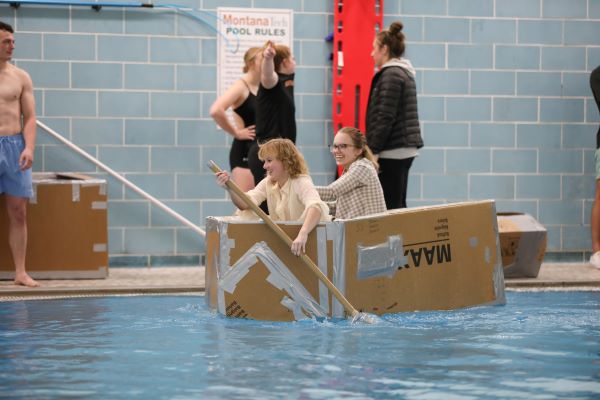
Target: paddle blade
(365,318)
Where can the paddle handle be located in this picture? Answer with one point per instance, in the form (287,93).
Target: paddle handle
(283,236)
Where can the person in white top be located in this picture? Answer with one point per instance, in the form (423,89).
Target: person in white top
(287,188)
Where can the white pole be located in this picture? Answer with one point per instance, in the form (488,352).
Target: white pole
(130,185)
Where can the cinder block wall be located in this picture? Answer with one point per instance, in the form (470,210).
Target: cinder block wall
(504,102)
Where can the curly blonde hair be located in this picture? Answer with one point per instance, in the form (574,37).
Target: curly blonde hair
(285,151)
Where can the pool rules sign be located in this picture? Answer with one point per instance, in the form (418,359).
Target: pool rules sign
(242,28)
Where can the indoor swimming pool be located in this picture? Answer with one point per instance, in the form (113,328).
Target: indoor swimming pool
(540,345)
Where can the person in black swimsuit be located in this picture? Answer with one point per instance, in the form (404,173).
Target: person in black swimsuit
(241,96)
(275,108)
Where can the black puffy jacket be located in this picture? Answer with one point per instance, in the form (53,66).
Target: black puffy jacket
(392,117)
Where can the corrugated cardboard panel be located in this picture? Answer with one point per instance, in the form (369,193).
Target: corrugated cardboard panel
(253,294)
(523,243)
(67,231)
(212,262)
(510,235)
(255,298)
(450,251)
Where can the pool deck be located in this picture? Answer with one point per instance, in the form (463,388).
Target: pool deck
(190,280)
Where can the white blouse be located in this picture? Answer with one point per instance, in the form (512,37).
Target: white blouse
(287,203)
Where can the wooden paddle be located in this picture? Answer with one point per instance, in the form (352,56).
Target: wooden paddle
(350,310)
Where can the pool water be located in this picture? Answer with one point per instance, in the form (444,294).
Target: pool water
(541,345)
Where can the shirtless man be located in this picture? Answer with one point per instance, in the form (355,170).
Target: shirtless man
(17,141)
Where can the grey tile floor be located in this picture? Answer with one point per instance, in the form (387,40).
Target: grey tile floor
(191,280)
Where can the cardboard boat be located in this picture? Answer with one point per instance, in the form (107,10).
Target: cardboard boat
(523,244)
(442,257)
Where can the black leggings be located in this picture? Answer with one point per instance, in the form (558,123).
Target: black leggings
(238,155)
(393,176)
(255,165)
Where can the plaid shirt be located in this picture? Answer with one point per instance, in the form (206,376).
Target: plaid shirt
(357,192)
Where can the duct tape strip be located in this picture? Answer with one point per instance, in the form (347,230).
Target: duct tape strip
(283,279)
(322,263)
(100,247)
(211,225)
(296,308)
(225,245)
(33,198)
(335,232)
(75,188)
(230,279)
(499,282)
(498,273)
(300,301)
(95,182)
(98,205)
(381,260)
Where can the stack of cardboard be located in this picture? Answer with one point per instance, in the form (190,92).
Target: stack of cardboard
(67,229)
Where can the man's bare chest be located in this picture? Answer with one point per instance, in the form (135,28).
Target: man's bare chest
(10,88)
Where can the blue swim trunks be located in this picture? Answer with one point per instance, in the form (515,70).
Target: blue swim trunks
(13,181)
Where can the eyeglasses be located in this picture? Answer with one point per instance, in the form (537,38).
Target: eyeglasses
(341,146)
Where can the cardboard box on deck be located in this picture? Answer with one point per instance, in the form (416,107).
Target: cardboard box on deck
(67,229)
(523,244)
(430,258)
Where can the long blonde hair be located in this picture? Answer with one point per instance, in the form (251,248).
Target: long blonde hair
(250,56)
(360,142)
(285,151)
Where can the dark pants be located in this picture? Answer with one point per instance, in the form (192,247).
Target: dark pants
(393,176)
(256,166)
(595,85)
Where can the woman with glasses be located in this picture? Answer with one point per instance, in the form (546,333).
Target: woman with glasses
(357,191)
(393,131)
(241,96)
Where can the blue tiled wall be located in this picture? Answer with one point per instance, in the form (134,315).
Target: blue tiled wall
(504,102)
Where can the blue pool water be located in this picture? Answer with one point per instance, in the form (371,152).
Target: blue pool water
(541,345)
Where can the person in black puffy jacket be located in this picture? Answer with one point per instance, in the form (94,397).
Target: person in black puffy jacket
(595,258)
(392,120)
